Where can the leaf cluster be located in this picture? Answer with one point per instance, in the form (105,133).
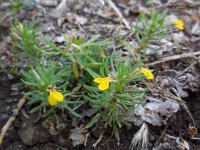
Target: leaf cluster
(25,38)
(150,31)
(72,69)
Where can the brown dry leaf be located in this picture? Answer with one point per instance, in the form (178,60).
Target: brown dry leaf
(182,144)
(80,19)
(171,142)
(152,112)
(78,136)
(196,29)
(192,131)
(51,126)
(171,83)
(168,108)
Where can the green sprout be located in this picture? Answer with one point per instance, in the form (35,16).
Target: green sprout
(150,31)
(17,5)
(25,39)
(114,101)
(42,81)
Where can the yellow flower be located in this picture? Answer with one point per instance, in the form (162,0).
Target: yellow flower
(179,24)
(55,97)
(103,83)
(147,73)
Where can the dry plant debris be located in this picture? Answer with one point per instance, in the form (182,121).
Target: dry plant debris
(79,136)
(153,112)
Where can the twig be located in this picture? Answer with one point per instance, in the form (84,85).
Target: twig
(4,17)
(189,113)
(11,119)
(162,135)
(98,141)
(118,13)
(174,57)
(99,15)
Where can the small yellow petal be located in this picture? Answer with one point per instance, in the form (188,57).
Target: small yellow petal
(59,97)
(147,73)
(98,80)
(103,83)
(102,80)
(179,24)
(51,100)
(55,97)
(103,86)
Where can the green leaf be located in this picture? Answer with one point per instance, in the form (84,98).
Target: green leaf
(90,88)
(116,132)
(93,39)
(92,73)
(92,64)
(53,46)
(75,70)
(93,121)
(73,112)
(37,108)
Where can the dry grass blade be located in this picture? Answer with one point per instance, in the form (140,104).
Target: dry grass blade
(174,57)
(118,13)
(140,138)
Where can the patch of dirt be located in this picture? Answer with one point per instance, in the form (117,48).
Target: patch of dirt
(183,120)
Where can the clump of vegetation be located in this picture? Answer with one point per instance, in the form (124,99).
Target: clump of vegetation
(151,30)
(118,88)
(147,34)
(17,5)
(26,42)
(43,81)
(86,72)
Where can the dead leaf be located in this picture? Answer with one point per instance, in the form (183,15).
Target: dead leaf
(196,29)
(78,136)
(152,112)
(168,108)
(80,19)
(182,144)
(192,131)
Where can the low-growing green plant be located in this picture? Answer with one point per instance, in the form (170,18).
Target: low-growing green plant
(114,101)
(44,79)
(17,5)
(92,63)
(82,55)
(25,39)
(150,31)
(147,34)
(85,71)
